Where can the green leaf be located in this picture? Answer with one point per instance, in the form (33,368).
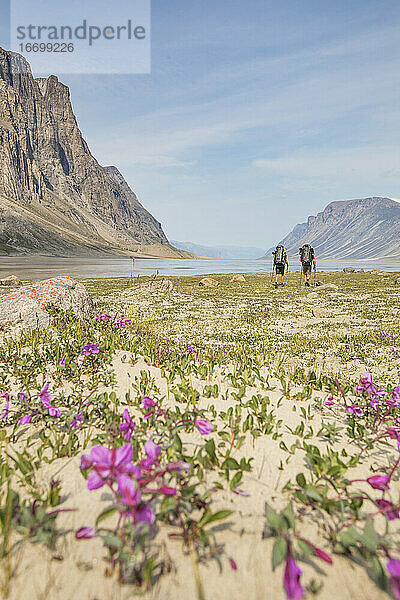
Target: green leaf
(230,463)
(235,480)
(304,547)
(301,480)
(106,513)
(279,552)
(273,519)
(111,541)
(209,517)
(289,516)
(378,572)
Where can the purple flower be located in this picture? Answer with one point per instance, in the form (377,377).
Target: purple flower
(387,508)
(355,410)
(76,421)
(366,384)
(205,427)
(128,427)
(145,514)
(62,362)
(90,349)
(393,566)
(24,420)
(4,415)
(85,533)
(130,495)
(148,403)
(45,396)
(167,491)
(291,580)
(379,482)
(152,452)
(21,396)
(107,464)
(54,411)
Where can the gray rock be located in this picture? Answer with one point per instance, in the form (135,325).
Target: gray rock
(209,282)
(312,296)
(328,287)
(10,281)
(238,279)
(158,285)
(320,313)
(25,308)
(349,270)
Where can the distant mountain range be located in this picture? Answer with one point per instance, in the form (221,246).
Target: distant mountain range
(55,198)
(366,228)
(219,251)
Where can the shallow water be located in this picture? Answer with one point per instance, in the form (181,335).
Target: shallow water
(33,268)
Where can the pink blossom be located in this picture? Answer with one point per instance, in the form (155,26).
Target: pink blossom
(178,465)
(54,411)
(85,533)
(366,384)
(393,566)
(291,580)
(62,362)
(379,482)
(108,464)
(233,564)
(25,420)
(205,427)
(148,403)
(130,494)
(76,421)
(45,396)
(167,491)
(128,427)
(90,349)
(388,509)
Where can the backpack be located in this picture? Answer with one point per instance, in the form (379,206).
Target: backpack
(279,255)
(306,254)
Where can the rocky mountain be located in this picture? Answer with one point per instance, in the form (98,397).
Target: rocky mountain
(366,228)
(55,198)
(219,251)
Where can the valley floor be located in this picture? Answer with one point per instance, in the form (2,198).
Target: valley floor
(254,389)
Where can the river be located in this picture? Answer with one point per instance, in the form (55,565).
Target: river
(33,268)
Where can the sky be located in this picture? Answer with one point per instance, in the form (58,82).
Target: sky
(255,114)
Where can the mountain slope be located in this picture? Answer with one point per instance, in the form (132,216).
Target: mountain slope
(366,228)
(55,198)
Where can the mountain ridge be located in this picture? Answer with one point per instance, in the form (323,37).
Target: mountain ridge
(55,198)
(362,228)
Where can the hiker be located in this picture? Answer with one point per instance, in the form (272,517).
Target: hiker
(307,258)
(280,263)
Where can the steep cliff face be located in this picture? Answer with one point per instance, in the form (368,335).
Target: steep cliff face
(363,228)
(49,180)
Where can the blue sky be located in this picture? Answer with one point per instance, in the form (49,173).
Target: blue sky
(255,115)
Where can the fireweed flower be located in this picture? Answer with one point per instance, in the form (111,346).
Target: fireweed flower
(291,580)
(108,464)
(128,427)
(45,396)
(355,410)
(205,427)
(366,384)
(388,509)
(152,452)
(90,349)
(148,403)
(177,466)
(62,362)
(76,421)
(54,411)
(379,482)
(129,493)
(85,533)
(393,566)
(25,420)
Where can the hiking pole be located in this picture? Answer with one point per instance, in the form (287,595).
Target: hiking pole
(301,274)
(315,275)
(272,272)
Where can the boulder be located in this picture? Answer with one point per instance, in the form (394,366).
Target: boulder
(10,281)
(376,272)
(328,287)
(318,283)
(312,296)
(26,307)
(320,313)
(157,285)
(208,282)
(238,279)
(349,270)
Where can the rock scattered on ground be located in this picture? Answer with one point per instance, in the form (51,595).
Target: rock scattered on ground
(320,313)
(25,308)
(10,281)
(208,282)
(157,285)
(238,279)
(349,270)
(328,287)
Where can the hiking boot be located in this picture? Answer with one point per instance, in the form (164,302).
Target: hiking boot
(307,284)
(276,286)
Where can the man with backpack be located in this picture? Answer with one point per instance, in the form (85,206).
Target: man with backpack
(307,258)
(280,264)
